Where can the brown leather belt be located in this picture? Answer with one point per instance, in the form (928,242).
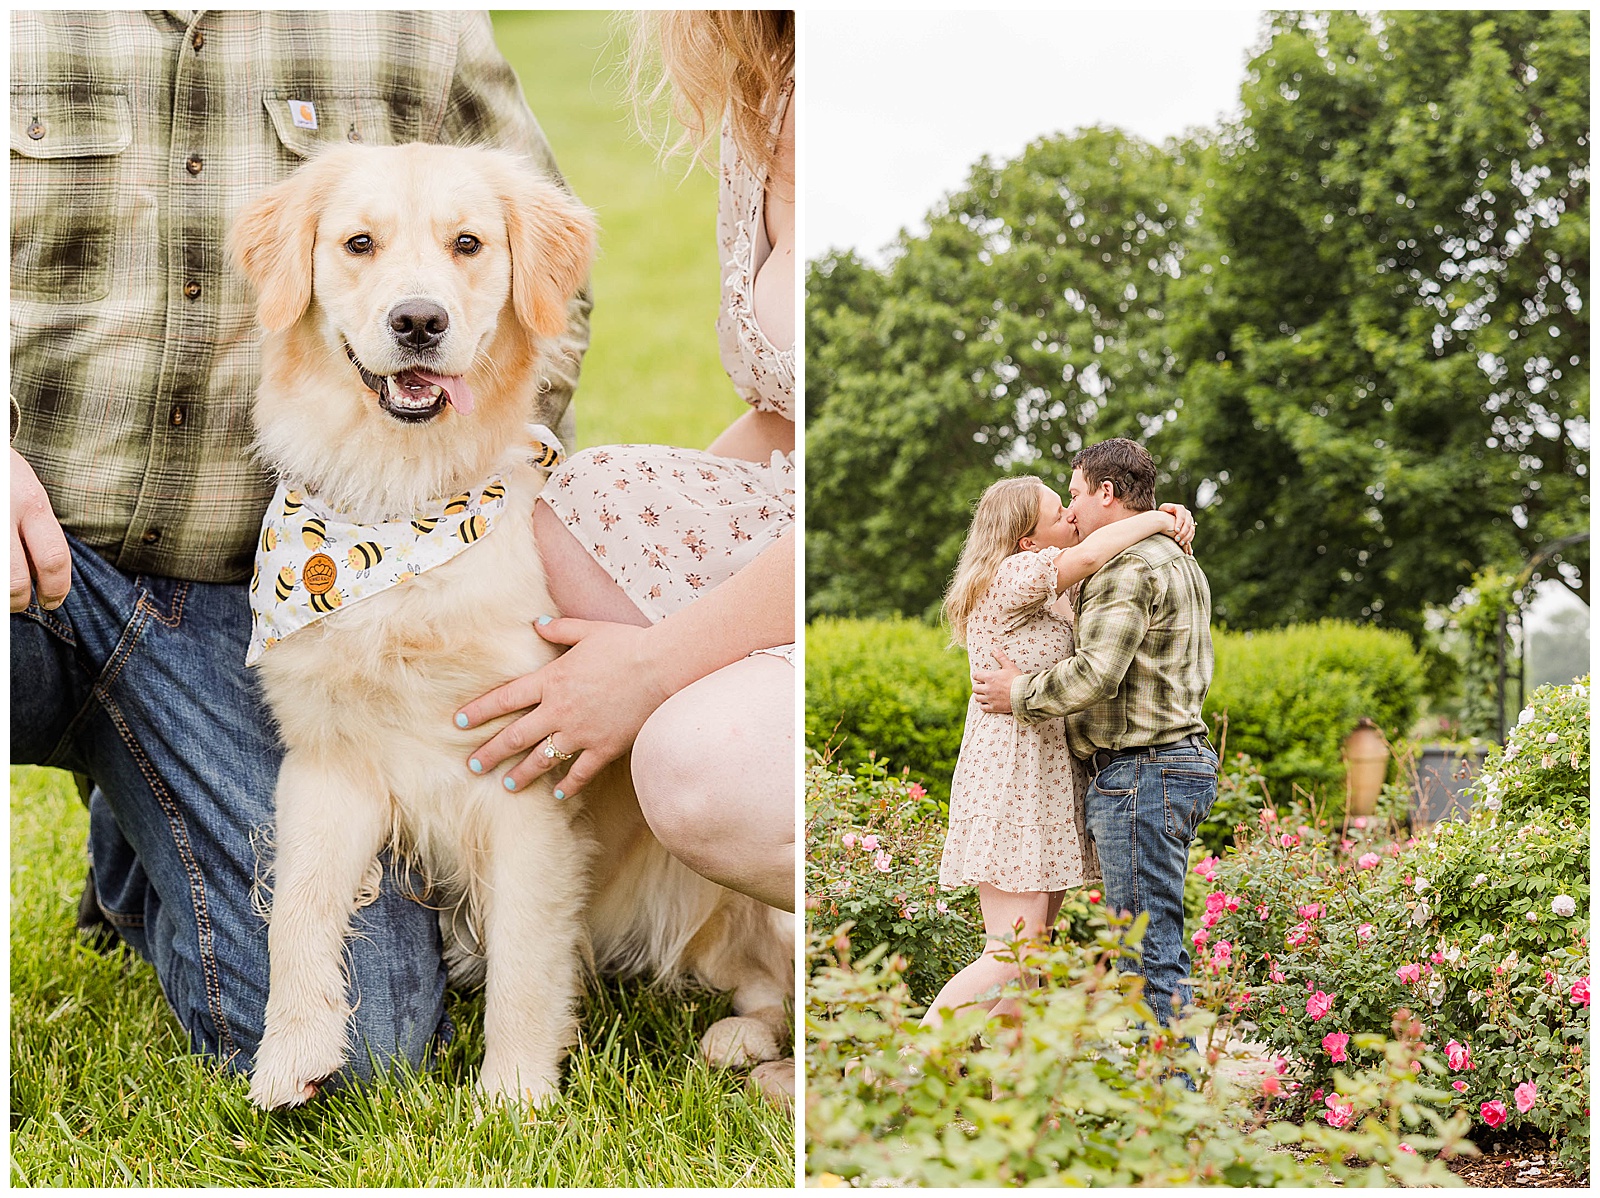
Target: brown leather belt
(1104,757)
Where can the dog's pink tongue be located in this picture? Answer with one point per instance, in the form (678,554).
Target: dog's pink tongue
(455,387)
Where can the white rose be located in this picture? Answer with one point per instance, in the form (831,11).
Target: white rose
(1486,938)
(1525,716)
(1563,905)
(1579,691)
(1452,954)
(1421,885)
(1473,996)
(1480,879)
(1552,739)
(1421,915)
(1492,803)
(1532,917)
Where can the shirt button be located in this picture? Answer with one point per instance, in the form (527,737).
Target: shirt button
(36,130)
(194,164)
(198,40)
(192,289)
(354,134)
(179,415)
(151,536)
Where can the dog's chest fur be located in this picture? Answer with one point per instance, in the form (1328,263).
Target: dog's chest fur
(376,686)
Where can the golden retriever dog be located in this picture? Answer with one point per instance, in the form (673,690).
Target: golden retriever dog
(408,295)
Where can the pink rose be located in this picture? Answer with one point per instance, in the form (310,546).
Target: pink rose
(1206,867)
(1526,1095)
(1200,937)
(849,840)
(1215,901)
(1271,1086)
(1209,919)
(1459,1055)
(915,790)
(1231,903)
(1360,821)
(1364,933)
(1346,845)
(1406,1148)
(1336,1043)
(1409,973)
(1494,1113)
(1222,953)
(1339,1114)
(870,843)
(1309,911)
(1459,1086)
(1580,991)
(1436,957)
(1298,934)
(1305,830)
(1262,912)
(1094,896)
(1393,850)
(942,907)
(1318,1005)
(880,861)
(1288,841)
(1549,977)
(1276,976)
(1368,860)
(1268,815)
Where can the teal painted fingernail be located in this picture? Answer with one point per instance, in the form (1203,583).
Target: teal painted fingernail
(560,794)
(511,783)
(543,620)
(461,719)
(475,766)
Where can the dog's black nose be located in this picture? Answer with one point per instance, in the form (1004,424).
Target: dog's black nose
(418,323)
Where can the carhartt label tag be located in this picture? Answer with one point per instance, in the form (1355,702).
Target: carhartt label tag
(303,113)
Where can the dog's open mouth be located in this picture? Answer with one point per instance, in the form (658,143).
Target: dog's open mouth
(415,394)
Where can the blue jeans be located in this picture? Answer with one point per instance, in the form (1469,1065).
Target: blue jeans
(140,683)
(1143,810)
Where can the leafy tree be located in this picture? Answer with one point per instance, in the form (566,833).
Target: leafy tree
(1350,326)
(1386,360)
(1028,322)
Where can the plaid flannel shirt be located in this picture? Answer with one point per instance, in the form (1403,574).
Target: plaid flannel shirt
(136,136)
(1143,662)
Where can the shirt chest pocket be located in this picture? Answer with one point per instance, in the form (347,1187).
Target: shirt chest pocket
(70,196)
(307,120)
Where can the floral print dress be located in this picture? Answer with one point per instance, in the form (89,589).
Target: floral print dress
(1016,801)
(669,524)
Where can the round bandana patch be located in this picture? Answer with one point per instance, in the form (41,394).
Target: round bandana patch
(319,573)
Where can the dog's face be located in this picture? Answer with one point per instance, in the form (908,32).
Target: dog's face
(407,288)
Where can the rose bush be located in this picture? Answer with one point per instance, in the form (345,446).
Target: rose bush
(1479,924)
(872,858)
(1086,1089)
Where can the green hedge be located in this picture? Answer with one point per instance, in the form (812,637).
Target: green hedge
(1291,696)
(895,687)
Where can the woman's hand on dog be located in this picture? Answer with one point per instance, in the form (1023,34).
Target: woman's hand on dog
(593,699)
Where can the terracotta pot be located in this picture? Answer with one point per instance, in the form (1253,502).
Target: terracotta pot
(1366,762)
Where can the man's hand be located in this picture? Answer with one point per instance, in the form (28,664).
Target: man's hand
(992,688)
(40,559)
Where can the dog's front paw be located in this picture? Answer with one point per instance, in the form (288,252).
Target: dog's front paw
(745,1039)
(518,1083)
(291,1065)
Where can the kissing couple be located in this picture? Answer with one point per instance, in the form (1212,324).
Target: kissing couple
(1088,629)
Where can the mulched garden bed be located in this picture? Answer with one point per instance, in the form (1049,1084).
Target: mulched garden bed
(1520,1162)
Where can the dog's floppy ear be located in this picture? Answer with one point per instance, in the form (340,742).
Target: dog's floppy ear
(552,247)
(271,242)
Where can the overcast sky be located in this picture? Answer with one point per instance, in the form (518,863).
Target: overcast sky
(898,105)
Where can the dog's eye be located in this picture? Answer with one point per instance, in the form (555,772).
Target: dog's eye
(468,244)
(359,244)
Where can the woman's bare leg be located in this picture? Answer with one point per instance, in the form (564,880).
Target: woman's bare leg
(578,585)
(1001,912)
(714,768)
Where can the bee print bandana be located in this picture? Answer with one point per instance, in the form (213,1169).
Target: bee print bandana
(313,560)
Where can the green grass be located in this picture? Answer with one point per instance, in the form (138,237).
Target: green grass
(103,1088)
(653,373)
(104,1091)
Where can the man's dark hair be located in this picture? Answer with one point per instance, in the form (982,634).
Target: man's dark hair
(1126,465)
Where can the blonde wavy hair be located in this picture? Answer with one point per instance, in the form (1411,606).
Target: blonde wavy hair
(1007,512)
(707,64)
